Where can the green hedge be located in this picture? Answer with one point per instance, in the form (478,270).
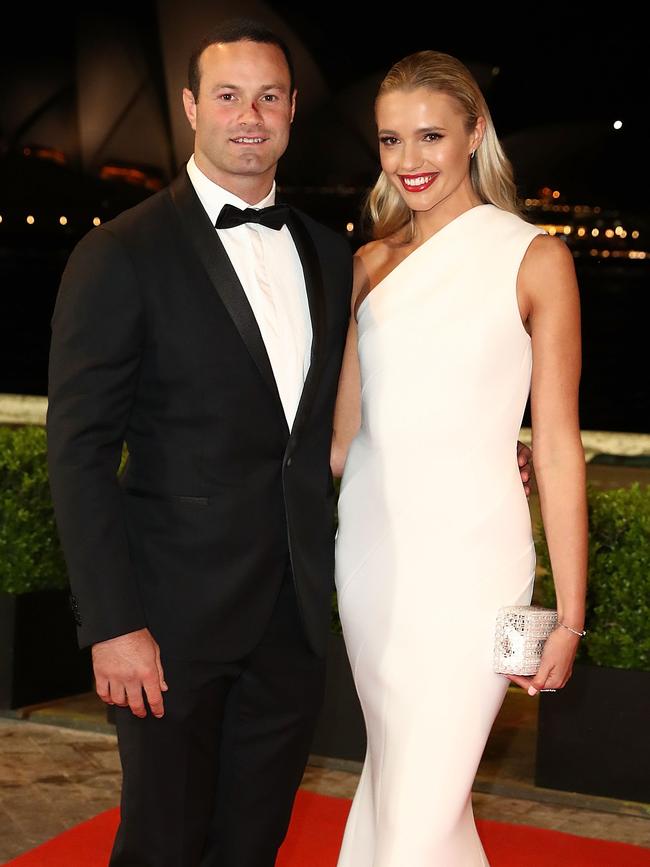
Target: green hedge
(30,553)
(618,596)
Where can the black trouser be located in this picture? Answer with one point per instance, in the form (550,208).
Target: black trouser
(212,783)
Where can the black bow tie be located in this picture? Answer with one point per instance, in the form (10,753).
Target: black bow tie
(274,216)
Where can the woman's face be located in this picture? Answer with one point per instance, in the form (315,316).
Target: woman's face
(425,147)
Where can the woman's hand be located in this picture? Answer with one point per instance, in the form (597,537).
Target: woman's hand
(525,461)
(556,665)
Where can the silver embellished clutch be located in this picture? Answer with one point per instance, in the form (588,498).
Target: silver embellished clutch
(520,635)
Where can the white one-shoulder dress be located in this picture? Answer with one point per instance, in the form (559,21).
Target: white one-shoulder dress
(434,534)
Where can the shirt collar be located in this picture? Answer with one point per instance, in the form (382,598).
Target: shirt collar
(213,197)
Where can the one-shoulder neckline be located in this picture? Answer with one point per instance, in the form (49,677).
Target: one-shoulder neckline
(424,244)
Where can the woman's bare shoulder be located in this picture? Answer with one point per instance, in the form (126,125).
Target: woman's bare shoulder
(367,261)
(547,259)
(549,251)
(547,275)
(374,255)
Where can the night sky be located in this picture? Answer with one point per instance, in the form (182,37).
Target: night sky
(556,66)
(556,63)
(559,65)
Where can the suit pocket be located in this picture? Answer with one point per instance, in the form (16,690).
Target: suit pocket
(173,498)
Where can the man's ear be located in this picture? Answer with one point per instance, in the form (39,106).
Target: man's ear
(189,104)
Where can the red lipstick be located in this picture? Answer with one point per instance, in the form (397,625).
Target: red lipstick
(418,183)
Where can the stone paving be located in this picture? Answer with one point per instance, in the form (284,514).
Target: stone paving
(51,778)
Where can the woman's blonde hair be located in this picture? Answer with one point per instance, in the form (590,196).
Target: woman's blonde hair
(490,169)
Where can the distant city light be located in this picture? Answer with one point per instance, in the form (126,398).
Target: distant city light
(350,227)
(63,221)
(96,221)
(30,220)
(0,218)
(495,70)
(618,124)
(570,232)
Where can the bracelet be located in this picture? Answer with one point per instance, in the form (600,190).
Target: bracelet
(575,631)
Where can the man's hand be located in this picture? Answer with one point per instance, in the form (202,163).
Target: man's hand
(127,665)
(525,461)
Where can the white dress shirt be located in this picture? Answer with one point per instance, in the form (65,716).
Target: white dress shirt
(269,268)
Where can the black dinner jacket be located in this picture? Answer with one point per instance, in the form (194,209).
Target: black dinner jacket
(154,343)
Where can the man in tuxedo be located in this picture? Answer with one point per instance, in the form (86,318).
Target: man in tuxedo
(202,577)
(205,328)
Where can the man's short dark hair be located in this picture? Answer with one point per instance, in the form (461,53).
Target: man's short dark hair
(236,30)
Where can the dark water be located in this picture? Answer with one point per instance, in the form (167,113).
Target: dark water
(615,392)
(615,388)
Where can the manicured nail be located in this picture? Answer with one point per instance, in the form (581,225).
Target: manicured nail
(532,690)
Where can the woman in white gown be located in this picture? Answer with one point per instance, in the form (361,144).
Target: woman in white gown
(457,304)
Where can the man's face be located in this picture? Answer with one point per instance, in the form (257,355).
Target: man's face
(243,114)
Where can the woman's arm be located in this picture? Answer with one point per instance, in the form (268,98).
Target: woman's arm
(548,292)
(347,412)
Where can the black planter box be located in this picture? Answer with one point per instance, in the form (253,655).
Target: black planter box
(340,733)
(39,656)
(593,735)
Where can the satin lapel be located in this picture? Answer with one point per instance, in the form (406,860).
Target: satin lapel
(207,244)
(316,298)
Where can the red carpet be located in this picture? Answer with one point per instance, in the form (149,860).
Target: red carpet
(315,836)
